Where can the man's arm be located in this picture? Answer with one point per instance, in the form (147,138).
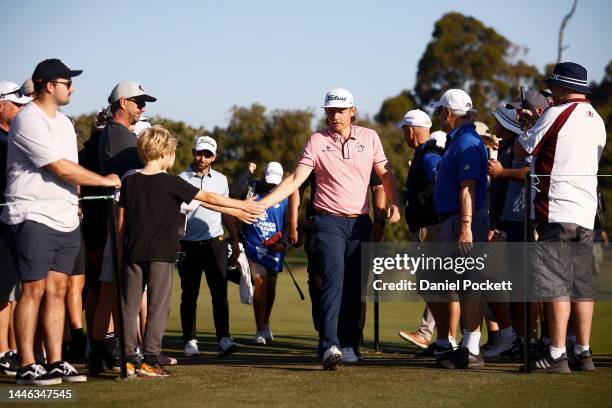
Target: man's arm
(76,174)
(240,186)
(497,171)
(384,171)
(292,214)
(467,203)
(230,223)
(287,186)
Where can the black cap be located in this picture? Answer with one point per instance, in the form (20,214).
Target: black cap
(53,68)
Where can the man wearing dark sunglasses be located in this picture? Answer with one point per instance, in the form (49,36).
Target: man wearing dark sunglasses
(117,154)
(42,215)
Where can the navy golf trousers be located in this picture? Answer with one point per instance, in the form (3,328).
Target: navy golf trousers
(338,249)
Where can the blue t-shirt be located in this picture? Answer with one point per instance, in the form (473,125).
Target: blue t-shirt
(431,161)
(264,228)
(465,158)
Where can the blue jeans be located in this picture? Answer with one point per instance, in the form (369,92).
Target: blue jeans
(338,249)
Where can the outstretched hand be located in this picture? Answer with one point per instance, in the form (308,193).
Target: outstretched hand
(253,207)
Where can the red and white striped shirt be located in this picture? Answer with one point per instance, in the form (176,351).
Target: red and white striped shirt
(566,143)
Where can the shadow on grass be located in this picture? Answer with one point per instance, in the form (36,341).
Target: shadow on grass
(298,353)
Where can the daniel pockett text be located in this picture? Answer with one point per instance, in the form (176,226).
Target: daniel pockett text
(491,272)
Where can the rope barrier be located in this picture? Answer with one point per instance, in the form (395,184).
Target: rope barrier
(86,198)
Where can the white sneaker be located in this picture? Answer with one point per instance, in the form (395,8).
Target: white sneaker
(267,333)
(165,360)
(495,351)
(260,338)
(332,358)
(191,348)
(348,355)
(227,346)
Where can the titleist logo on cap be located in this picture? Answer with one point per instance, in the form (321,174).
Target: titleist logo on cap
(335,98)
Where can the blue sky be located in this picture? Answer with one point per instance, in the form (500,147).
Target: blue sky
(199,58)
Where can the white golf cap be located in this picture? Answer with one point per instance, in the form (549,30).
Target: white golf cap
(440,138)
(339,98)
(273,173)
(142,124)
(10,91)
(129,89)
(455,99)
(205,143)
(416,118)
(507,118)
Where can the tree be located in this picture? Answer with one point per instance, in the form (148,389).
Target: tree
(394,108)
(466,54)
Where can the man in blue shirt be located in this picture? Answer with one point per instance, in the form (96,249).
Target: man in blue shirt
(204,249)
(460,197)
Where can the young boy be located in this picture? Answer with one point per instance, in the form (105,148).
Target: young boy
(147,221)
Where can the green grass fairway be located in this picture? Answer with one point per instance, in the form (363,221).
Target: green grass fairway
(288,374)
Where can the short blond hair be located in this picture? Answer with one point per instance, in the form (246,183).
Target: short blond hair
(155,142)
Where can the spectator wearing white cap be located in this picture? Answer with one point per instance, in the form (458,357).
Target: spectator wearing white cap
(11,102)
(460,198)
(265,243)
(206,250)
(342,157)
(421,216)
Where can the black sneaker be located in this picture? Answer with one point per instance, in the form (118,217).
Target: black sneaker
(461,358)
(65,372)
(9,363)
(580,362)
(35,374)
(515,352)
(436,350)
(546,364)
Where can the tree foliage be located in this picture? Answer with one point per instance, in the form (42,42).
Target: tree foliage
(466,54)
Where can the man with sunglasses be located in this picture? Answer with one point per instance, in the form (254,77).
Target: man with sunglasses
(117,154)
(11,102)
(41,190)
(204,249)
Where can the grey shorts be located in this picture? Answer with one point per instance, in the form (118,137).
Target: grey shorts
(9,278)
(39,248)
(562,262)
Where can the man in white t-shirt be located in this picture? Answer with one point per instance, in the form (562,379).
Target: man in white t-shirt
(42,212)
(566,143)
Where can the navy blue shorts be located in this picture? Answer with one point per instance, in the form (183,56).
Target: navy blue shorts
(39,249)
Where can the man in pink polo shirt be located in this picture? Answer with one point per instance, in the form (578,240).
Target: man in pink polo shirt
(342,157)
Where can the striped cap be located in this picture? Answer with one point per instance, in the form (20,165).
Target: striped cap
(507,118)
(570,75)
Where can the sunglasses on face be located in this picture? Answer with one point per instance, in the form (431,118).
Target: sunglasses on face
(140,104)
(67,84)
(16,92)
